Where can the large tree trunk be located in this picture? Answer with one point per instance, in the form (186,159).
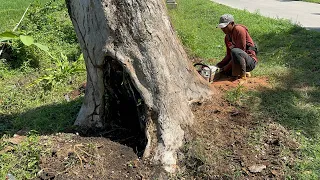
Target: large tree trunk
(137,73)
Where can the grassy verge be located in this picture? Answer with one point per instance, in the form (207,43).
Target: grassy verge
(39,107)
(23,163)
(286,56)
(313,1)
(11,12)
(43,106)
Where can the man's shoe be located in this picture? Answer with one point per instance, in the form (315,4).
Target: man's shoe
(248,74)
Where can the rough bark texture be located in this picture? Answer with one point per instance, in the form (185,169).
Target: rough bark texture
(137,36)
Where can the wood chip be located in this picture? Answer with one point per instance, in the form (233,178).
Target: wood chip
(257,168)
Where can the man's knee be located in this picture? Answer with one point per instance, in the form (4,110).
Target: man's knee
(236,50)
(236,54)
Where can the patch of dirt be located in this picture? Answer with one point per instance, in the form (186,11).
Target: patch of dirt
(253,83)
(70,156)
(228,143)
(225,143)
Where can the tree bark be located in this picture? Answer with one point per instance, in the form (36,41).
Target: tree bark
(130,49)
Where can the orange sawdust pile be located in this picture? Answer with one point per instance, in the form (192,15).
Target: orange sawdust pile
(253,83)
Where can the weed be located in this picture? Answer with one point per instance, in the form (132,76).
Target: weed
(51,24)
(235,96)
(63,70)
(26,40)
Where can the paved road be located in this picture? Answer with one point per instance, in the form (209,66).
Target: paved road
(303,13)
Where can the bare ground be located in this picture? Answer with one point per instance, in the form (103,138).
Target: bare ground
(225,143)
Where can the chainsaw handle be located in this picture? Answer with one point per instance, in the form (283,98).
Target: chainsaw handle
(196,64)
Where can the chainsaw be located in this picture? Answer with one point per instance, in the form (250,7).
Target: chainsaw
(207,72)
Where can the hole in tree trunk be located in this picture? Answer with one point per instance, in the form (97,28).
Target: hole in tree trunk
(125,109)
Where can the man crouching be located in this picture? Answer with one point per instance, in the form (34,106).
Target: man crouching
(241,52)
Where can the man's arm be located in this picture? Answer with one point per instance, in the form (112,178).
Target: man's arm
(240,37)
(226,60)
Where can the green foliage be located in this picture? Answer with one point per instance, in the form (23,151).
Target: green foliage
(314,1)
(26,40)
(34,108)
(22,160)
(48,23)
(12,54)
(62,71)
(8,35)
(53,21)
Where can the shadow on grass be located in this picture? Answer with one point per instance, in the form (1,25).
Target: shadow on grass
(45,119)
(56,118)
(295,102)
(282,105)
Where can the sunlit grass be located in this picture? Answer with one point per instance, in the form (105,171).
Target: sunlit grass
(314,1)
(32,107)
(288,56)
(23,163)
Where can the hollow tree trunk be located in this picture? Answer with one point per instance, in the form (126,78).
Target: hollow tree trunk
(133,56)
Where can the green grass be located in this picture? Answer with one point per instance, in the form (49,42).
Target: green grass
(286,56)
(35,108)
(314,1)
(23,163)
(12,11)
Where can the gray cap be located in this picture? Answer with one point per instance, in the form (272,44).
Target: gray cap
(225,20)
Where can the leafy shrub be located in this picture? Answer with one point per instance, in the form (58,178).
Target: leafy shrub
(48,24)
(62,70)
(51,23)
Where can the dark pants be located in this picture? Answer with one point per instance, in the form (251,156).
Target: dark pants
(241,62)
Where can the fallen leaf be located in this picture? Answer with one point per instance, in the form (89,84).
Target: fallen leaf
(257,168)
